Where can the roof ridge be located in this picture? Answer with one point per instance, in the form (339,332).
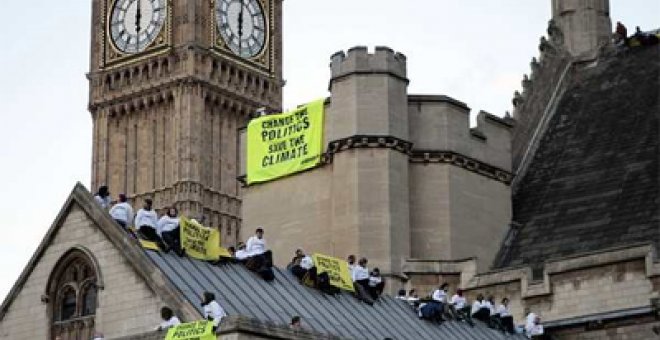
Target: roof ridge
(127,247)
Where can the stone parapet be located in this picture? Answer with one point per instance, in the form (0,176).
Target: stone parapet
(358,60)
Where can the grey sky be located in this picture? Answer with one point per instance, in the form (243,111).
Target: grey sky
(473,50)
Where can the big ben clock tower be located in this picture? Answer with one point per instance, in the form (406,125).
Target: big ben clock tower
(171,81)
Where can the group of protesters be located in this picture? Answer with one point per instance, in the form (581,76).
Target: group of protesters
(256,256)
(164,231)
(438,306)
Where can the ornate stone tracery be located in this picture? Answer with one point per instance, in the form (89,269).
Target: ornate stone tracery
(72,295)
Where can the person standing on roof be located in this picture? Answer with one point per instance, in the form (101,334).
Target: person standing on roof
(122,212)
(212,309)
(102,197)
(168,230)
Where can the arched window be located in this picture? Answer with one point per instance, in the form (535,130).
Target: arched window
(72,294)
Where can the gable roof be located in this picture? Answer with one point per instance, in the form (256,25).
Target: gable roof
(179,281)
(242,292)
(133,252)
(593,182)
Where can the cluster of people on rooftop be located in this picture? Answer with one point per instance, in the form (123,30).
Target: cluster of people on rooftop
(164,231)
(621,37)
(368,285)
(437,306)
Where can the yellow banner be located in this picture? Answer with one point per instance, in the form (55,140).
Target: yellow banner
(337,270)
(198,330)
(285,143)
(199,241)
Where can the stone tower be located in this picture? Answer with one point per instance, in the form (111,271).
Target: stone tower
(170,84)
(369,98)
(585,24)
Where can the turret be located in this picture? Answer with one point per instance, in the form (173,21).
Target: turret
(585,24)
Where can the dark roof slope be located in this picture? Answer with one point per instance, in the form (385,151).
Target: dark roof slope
(593,182)
(241,292)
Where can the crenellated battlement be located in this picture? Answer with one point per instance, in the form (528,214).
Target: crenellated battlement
(358,60)
(439,122)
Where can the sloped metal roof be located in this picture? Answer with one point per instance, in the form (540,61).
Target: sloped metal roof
(242,292)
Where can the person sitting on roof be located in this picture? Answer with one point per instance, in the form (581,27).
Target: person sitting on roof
(301,265)
(241,254)
(360,276)
(256,244)
(460,308)
(494,320)
(122,212)
(168,230)
(212,309)
(533,325)
(401,295)
(505,316)
(413,298)
(169,319)
(480,310)
(350,260)
(102,197)
(376,284)
(256,247)
(439,299)
(146,222)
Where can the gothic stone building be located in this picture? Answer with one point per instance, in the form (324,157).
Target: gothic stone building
(555,207)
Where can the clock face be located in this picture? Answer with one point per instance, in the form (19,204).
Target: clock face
(135,24)
(242,25)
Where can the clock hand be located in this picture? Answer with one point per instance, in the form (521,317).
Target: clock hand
(138,17)
(240,29)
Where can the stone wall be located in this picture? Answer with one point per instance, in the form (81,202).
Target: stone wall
(126,305)
(404,175)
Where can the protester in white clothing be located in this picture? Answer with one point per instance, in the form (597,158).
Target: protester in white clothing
(169,319)
(102,197)
(169,230)
(256,245)
(505,316)
(301,264)
(351,263)
(459,306)
(360,276)
(360,273)
(241,254)
(376,283)
(212,309)
(440,294)
(458,300)
(122,212)
(533,325)
(146,223)
(480,309)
